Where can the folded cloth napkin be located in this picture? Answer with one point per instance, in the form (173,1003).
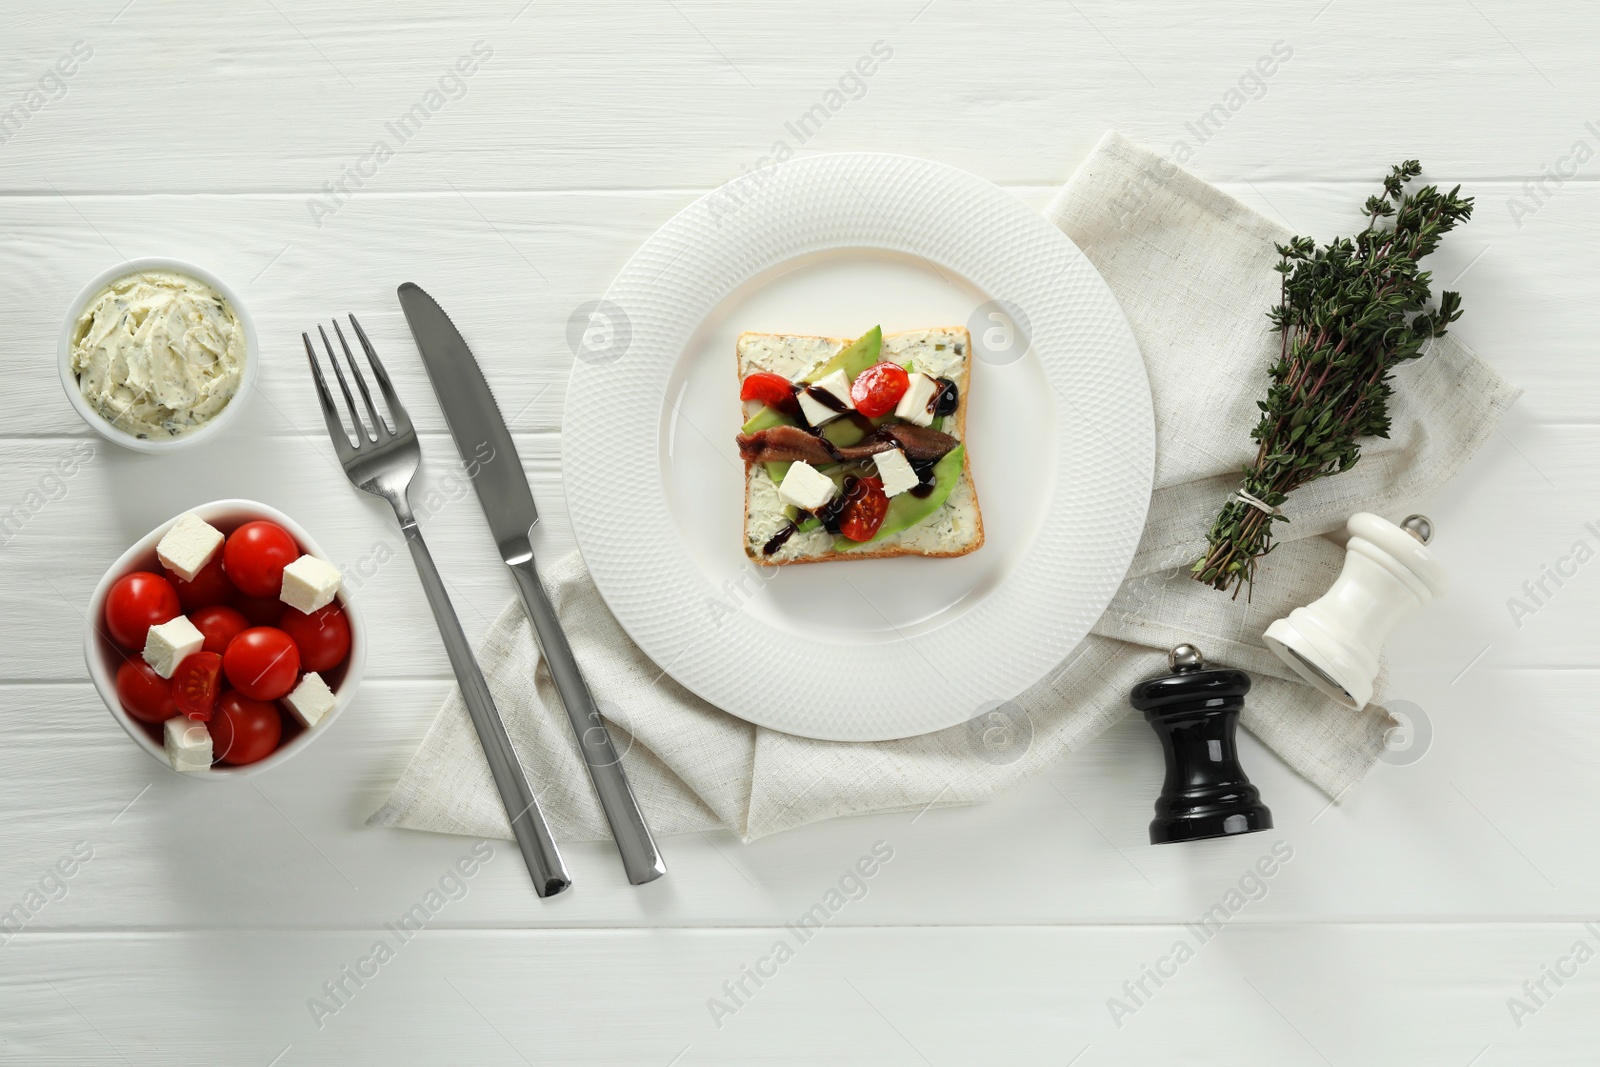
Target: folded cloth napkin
(1192,269)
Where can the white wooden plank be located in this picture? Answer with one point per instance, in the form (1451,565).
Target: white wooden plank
(1468,830)
(513,268)
(642,94)
(510,269)
(1270,996)
(1517,519)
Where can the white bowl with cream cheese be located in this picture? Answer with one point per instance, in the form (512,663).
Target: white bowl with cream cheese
(155,376)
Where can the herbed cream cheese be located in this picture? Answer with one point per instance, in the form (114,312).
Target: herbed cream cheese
(784,355)
(158,354)
(936,353)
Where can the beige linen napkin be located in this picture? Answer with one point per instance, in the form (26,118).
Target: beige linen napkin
(1192,269)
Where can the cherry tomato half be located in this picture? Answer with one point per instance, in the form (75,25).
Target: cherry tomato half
(255,555)
(864,509)
(323,637)
(772,390)
(144,694)
(220,625)
(137,602)
(262,663)
(244,730)
(196,683)
(879,388)
(210,586)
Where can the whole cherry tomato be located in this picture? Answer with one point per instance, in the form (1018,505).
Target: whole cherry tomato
(879,388)
(772,390)
(260,610)
(864,509)
(145,694)
(323,637)
(137,602)
(210,586)
(220,625)
(195,684)
(262,663)
(244,730)
(255,555)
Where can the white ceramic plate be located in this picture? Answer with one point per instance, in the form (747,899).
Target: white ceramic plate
(1060,436)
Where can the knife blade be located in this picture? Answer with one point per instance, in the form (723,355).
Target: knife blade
(496,474)
(474,419)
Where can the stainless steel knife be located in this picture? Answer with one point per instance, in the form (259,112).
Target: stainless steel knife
(496,473)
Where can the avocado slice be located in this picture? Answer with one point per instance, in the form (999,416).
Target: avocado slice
(765,419)
(843,432)
(907,509)
(853,358)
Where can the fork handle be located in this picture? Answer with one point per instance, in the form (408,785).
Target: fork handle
(522,808)
(640,858)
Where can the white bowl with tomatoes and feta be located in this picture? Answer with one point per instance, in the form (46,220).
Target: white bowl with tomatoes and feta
(223,641)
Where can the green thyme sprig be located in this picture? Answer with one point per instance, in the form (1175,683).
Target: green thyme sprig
(1349,313)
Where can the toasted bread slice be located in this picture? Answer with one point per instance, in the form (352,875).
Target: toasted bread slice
(954,529)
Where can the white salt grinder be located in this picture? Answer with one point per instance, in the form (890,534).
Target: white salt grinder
(1334,643)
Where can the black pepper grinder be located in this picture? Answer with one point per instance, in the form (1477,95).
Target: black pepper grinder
(1195,712)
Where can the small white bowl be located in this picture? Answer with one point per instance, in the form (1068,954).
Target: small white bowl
(103,657)
(69,380)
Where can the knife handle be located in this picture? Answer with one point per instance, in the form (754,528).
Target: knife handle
(522,806)
(640,857)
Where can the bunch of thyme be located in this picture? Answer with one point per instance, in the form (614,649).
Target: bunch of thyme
(1348,314)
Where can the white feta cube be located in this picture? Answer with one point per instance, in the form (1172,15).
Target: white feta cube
(916,405)
(836,385)
(169,643)
(309,583)
(896,472)
(189,546)
(806,487)
(188,744)
(310,700)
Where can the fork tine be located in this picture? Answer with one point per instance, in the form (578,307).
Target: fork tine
(397,410)
(379,427)
(330,413)
(344,387)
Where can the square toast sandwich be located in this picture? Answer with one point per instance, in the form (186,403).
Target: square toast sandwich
(828,478)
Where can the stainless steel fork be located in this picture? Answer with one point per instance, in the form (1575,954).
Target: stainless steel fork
(381,461)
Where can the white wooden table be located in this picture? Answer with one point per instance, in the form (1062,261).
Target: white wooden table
(1399,932)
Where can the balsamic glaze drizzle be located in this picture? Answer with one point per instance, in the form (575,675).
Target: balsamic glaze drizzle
(779,539)
(826,399)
